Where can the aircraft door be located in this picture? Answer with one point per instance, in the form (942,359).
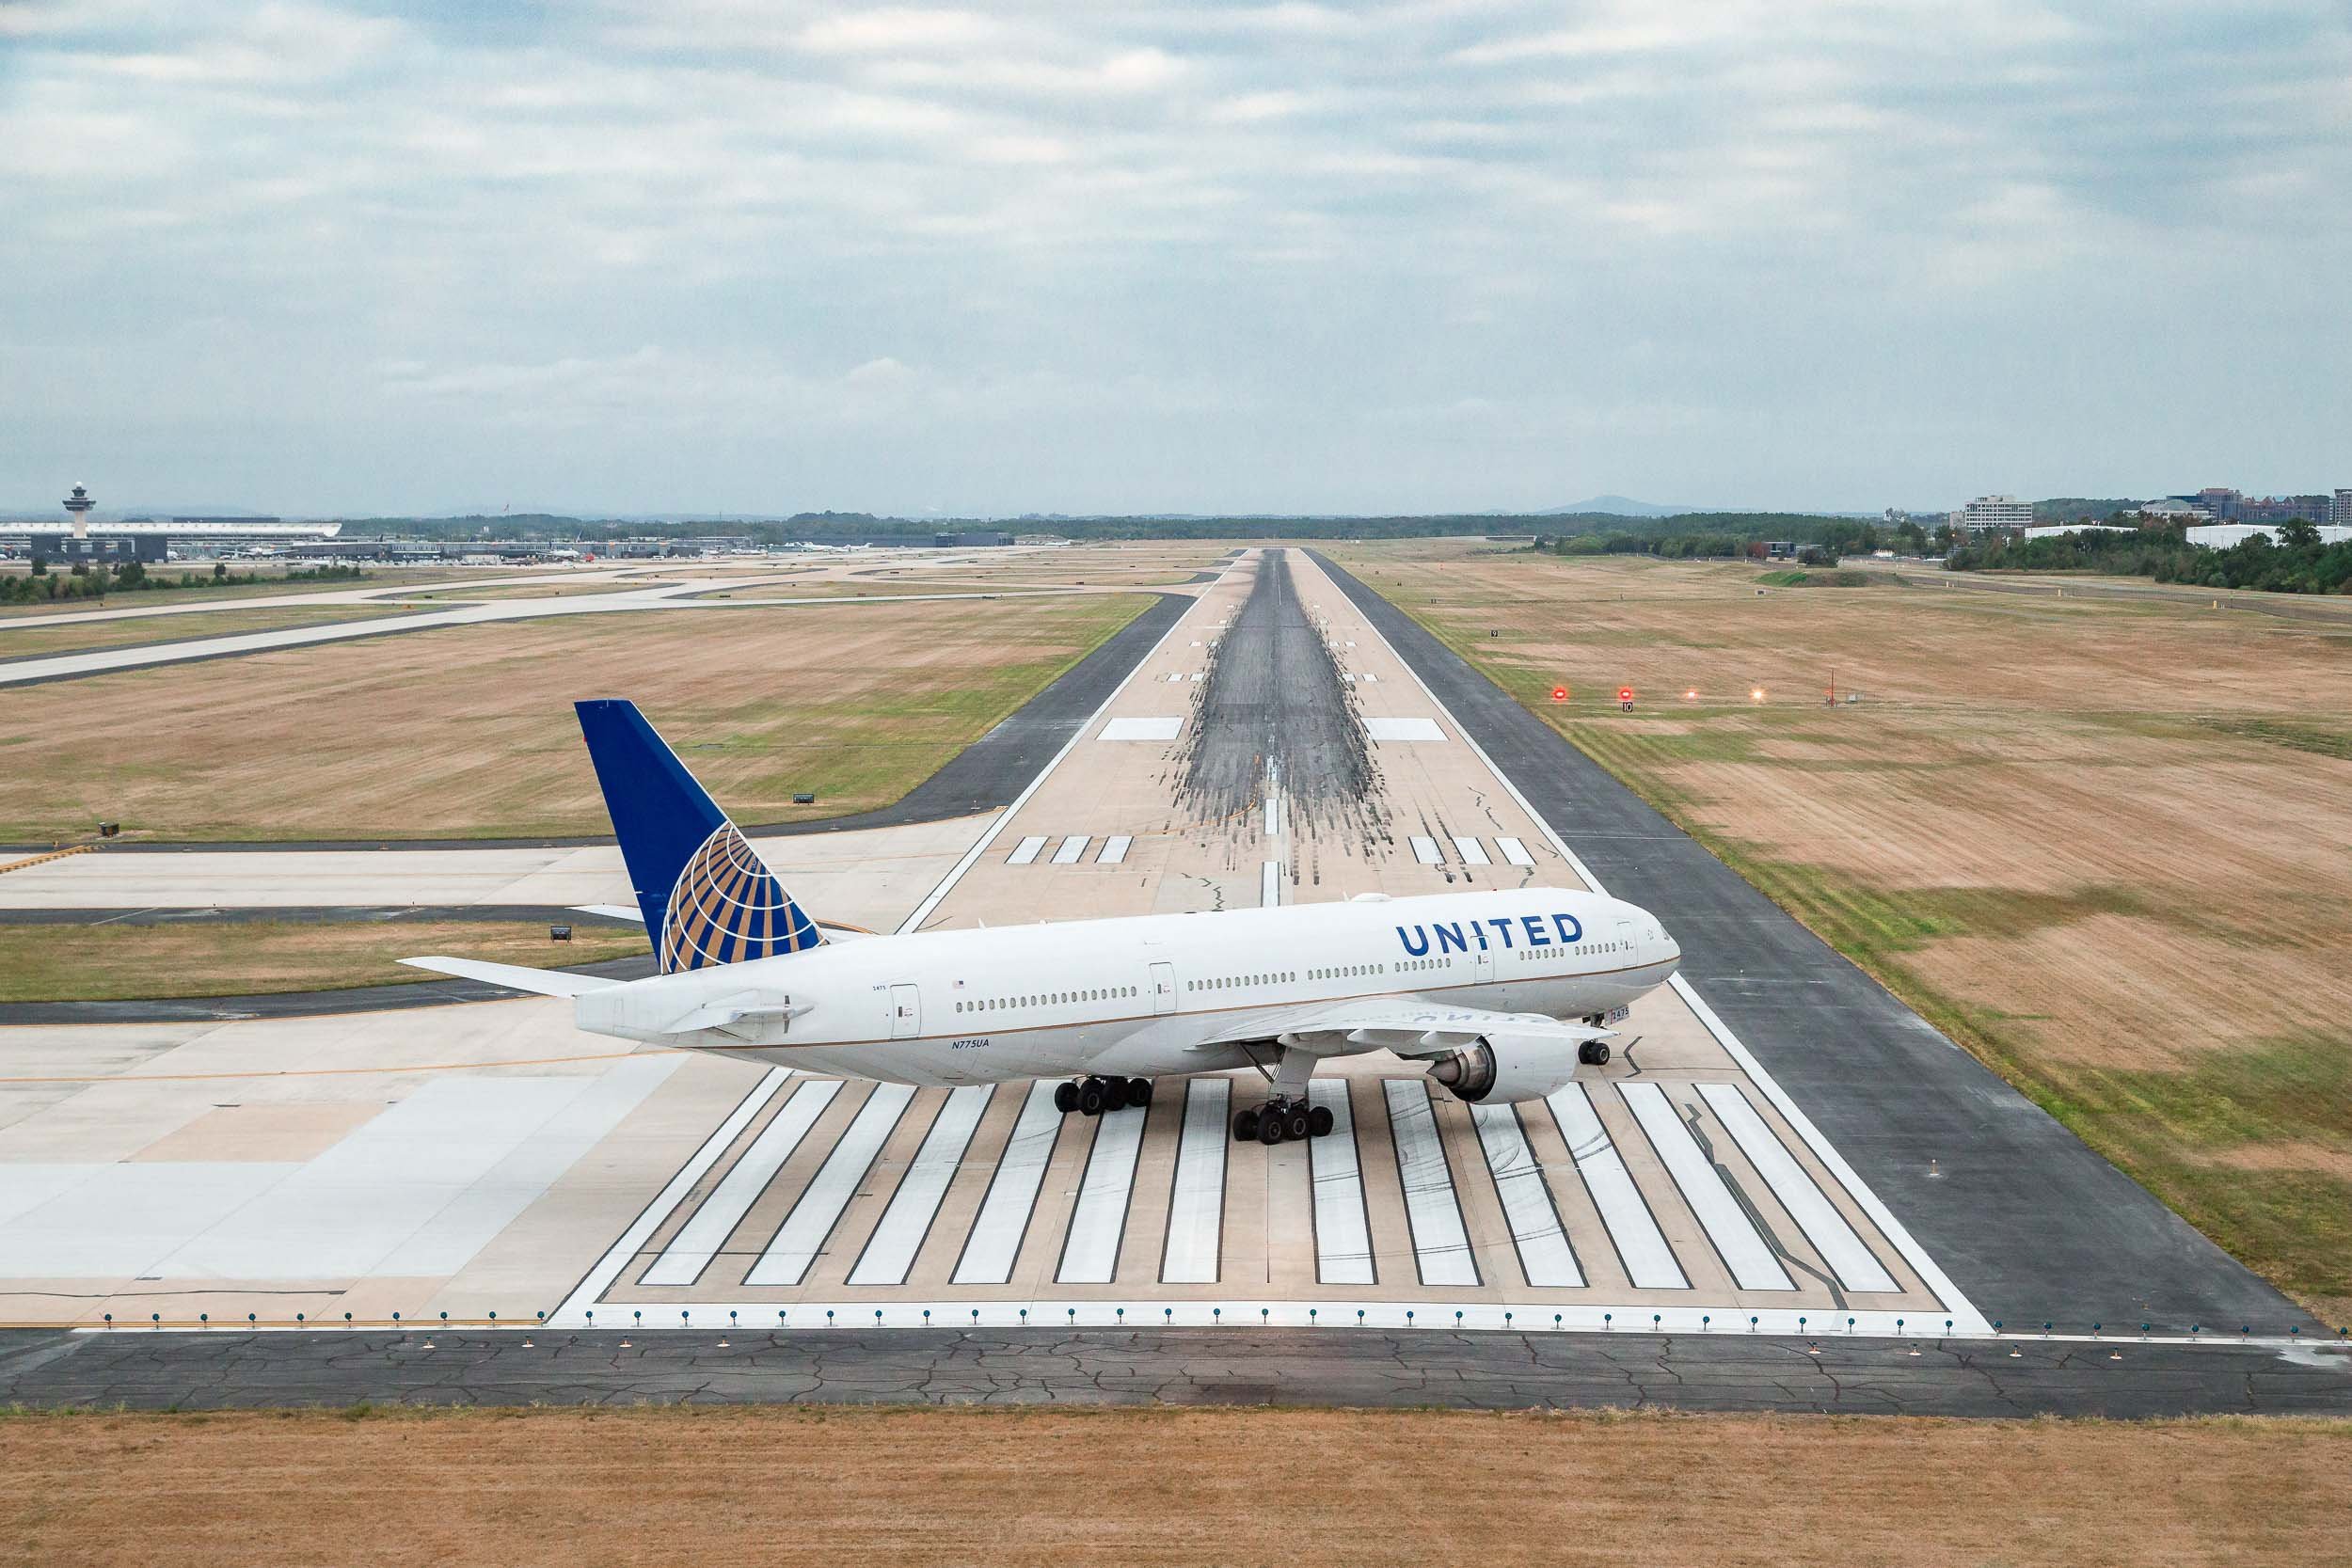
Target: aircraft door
(1486,969)
(906,1012)
(1163,987)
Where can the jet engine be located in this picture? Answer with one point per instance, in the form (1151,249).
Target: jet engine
(1502,1071)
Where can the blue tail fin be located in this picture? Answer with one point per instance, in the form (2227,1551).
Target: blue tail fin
(706,897)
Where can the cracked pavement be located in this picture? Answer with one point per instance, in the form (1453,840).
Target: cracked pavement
(145,1369)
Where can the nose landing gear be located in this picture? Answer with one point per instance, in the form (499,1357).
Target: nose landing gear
(1281,1119)
(1096,1096)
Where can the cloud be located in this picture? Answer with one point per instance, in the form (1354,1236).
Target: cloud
(1220,254)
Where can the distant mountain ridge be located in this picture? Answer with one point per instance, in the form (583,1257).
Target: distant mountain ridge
(1618,506)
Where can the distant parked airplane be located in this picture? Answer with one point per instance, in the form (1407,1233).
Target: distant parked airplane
(1504,994)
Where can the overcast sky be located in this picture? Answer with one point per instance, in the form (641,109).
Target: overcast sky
(733,256)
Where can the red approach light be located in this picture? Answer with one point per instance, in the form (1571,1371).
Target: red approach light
(1625,693)
(1559,693)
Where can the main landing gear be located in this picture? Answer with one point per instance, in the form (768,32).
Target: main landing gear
(1593,1052)
(1281,1119)
(1094,1096)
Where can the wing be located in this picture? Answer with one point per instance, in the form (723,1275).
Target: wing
(1408,1029)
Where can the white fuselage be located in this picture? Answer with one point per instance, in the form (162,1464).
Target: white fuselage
(1139,996)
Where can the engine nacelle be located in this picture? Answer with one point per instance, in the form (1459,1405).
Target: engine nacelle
(1503,1070)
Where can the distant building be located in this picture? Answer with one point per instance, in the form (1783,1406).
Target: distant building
(2173,509)
(2225,505)
(1995,514)
(2340,509)
(113,548)
(966,541)
(2221,536)
(2052,531)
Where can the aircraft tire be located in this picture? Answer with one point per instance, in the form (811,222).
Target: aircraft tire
(1593,1052)
(1114,1094)
(1065,1098)
(1139,1091)
(1244,1127)
(1090,1096)
(1299,1124)
(1320,1121)
(1270,1130)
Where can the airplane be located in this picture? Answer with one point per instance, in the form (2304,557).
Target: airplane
(1504,994)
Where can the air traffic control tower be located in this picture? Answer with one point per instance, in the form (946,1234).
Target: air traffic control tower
(79,504)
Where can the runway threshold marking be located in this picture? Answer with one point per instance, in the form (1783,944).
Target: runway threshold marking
(995,1238)
(1342,1219)
(889,1254)
(1856,1266)
(1747,1255)
(1542,1242)
(1641,1246)
(1433,1212)
(1196,1202)
(802,1236)
(714,1220)
(1090,1254)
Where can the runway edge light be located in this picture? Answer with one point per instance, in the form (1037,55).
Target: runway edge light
(1559,693)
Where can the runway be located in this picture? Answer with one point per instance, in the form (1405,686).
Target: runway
(1729,1171)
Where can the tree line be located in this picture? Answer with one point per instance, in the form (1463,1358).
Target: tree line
(2298,562)
(96,580)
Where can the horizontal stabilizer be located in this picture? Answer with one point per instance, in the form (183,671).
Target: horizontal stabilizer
(539,982)
(630,912)
(743,1012)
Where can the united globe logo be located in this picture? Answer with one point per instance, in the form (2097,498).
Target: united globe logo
(726,908)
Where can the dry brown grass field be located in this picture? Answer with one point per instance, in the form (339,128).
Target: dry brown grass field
(2105,845)
(469,731)
(101,963)
(912,1485)
(31,642)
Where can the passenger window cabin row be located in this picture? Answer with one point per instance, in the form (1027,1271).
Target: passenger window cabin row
(1047,999)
